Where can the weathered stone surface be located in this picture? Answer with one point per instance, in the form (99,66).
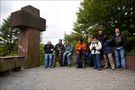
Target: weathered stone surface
(10,62)
(19,61)
(23,19)
(6,63)
(31,10)
(130,60)
(29,47)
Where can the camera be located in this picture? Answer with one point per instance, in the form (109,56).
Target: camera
(94,48)
(81,50)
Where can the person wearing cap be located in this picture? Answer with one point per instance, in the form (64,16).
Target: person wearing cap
(95,48)
(80,53)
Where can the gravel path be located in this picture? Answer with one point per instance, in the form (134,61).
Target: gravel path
(64,78)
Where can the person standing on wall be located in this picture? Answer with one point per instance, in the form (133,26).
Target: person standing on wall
(119,42)
(107,52)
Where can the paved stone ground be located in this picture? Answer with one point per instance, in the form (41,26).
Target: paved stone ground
(64,78)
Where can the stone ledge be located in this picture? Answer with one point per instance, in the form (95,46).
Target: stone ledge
(133,54)
(11,62)
(5,57)
(130,60)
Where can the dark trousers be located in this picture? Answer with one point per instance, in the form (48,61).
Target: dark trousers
(57,57)
(80,60)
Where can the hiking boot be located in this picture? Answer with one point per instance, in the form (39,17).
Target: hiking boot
(118,67)
(50,66)
(77,66)
(53,66)
(99,69)
(63,64)
(84,67)
(69,65)
(113,68)
(46,67)
(95,68)
(105,67)
(124,68)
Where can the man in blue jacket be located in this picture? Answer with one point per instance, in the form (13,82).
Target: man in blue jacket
(107,52)
(67,54)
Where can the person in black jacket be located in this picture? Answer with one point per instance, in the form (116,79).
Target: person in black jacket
(119,42)
(48,54)
(58,54)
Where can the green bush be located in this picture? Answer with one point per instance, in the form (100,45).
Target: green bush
(42,54)
(8,50)
(130,48)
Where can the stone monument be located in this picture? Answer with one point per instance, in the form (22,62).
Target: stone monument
(30,23)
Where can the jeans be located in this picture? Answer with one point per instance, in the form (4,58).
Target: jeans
(97,61)
(89,58)
(120,57)
(68,55)
(48,60)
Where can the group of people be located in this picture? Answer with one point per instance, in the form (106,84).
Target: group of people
(58,53)
(97,52)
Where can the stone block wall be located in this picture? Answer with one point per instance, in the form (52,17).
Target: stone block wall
(130,60)
(11,63)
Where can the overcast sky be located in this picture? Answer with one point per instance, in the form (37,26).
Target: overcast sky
(59,14)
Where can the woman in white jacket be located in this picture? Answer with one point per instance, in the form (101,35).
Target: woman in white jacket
(95,48)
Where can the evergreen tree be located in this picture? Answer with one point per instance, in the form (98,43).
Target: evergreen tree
(8,39)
